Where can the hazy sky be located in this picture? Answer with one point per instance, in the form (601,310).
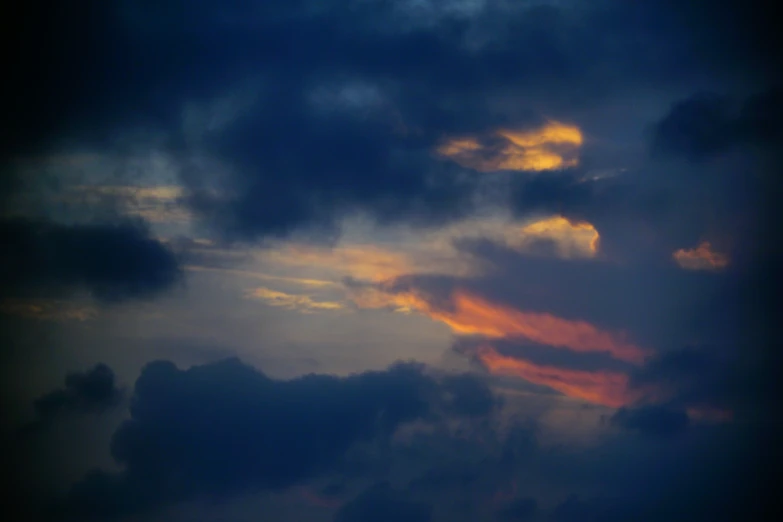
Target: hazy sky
(370,260)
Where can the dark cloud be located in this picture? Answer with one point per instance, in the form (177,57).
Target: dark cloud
(467,395)
(518,510)
(708,124)
(655,303)
(351,97)
(92,391)
(706,376)
(110,261)
(384,504)
(224,428)
(651,420)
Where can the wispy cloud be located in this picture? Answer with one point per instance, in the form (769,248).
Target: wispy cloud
(428,252)
(156,204)
(47,309)
(550,147)
(469,314)
(263,276)
(600,387)
(298,302)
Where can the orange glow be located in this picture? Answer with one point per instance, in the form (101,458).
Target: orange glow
(473,315)
(553,146)
(571,238)
(700,258)
(600,387)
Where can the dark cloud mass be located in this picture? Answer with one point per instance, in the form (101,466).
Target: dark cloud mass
(91,391)
(708,124)
(382,503)
(225,428)
(352,96)
(518,510)
(651,420)
(110,261)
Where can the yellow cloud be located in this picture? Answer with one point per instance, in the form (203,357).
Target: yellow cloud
(700,258)
(301,303)
(553,146)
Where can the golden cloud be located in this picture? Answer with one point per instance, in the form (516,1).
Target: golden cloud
(550,147)
(301,303)
(571,239)
(700,258)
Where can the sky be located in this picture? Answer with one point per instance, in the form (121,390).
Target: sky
(374,260)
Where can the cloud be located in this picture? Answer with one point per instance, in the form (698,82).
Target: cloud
(707,381)
(469,314)
(223,428)
(550,147)
(47,310)
(651,420)
(302,303)
(110,261)
(519,509)
(317,283)
(92,391)
(707,124)
(461,73)
(700,258)
(468,396)
(384,504)
(163,204)
(571,239)
(600,387)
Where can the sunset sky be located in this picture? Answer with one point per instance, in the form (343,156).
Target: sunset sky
(373,260)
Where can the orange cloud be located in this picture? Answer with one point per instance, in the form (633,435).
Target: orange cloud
(553,146)
(700,258)
(473,315)
(599,387)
